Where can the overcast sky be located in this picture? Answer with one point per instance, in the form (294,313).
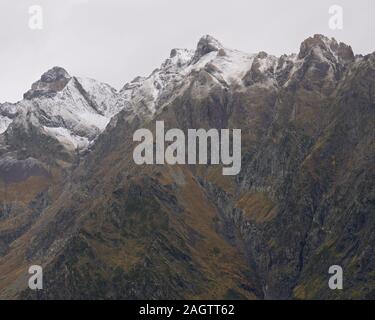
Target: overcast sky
(115,40)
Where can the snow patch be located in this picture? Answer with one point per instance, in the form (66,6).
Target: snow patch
(104,96)
(67,138)
(4,123)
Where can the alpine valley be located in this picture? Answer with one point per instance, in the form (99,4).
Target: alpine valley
(73,201)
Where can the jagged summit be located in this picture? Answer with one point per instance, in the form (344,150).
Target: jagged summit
(320,44)
(206,44)
(71,110)
(55,74)
(232,67)
(84,106)
(51,82)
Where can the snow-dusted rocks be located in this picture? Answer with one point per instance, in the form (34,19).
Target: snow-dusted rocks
(101,96)
(73,111)
(5,121)
(144,95)
(147,95)
(8,112)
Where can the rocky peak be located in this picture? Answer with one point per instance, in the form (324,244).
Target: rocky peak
(51,82)
(206,44)
(55,74)
(320,45)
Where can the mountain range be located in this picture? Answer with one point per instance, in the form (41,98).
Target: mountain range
(74,202)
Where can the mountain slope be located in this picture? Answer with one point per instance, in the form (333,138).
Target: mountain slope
(303,201)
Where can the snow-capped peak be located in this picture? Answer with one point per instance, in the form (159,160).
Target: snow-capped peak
(146,95)
(76,110)
(72,110)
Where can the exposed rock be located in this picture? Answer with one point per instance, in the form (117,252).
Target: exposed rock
(206,45)
(51,82)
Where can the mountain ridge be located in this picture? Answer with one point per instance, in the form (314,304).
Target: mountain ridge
(103,227)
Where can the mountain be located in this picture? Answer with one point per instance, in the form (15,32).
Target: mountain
(103,227)
(70,110)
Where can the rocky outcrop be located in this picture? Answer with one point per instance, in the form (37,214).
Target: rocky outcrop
(206,45)
(51,82)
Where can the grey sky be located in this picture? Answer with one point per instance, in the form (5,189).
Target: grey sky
(115,40)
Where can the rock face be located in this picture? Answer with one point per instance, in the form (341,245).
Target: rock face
(327,47)
(206,45)
(51,82)
(304,200)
